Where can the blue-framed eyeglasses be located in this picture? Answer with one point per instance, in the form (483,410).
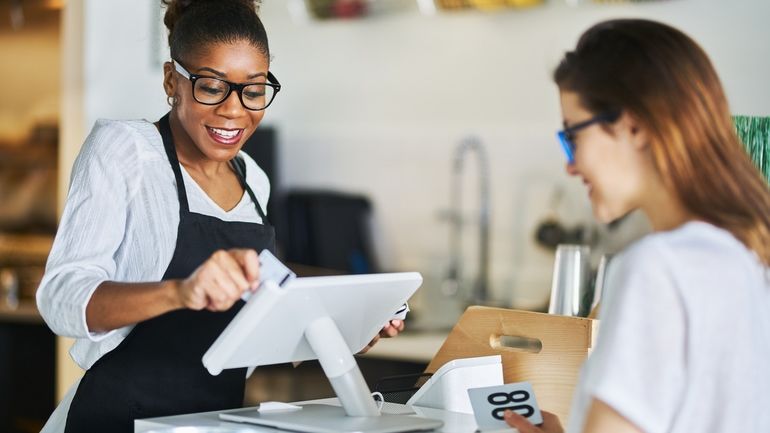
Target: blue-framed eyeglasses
(567,135)
(212,91)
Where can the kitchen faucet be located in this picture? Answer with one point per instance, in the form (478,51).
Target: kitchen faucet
(480,290)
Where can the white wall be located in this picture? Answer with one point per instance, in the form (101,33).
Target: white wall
(377,106)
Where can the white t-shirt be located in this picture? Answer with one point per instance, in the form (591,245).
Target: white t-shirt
(684,345)
(120,224)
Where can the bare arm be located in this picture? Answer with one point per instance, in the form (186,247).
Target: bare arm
(114,305)
(216,285)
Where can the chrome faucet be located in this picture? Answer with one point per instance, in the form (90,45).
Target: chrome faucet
(480,291)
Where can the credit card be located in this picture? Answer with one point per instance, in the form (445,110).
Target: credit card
(271,269)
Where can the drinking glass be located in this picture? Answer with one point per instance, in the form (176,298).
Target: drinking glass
(571,280)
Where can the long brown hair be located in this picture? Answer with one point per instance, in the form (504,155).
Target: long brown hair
(666,81)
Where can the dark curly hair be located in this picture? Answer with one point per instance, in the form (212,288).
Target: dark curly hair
(193,24)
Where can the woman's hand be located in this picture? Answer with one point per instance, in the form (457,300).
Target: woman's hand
(216,285)
(220,281)
(550,423)
(391,329)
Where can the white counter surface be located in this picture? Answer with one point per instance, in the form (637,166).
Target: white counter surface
(453,422)
(409,346)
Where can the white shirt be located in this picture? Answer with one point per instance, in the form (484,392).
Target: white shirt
(120,224)
(684,345)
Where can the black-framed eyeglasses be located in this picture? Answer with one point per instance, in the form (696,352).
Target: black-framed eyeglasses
(212,91)
(567,135)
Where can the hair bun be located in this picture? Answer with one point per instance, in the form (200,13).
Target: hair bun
(175,8)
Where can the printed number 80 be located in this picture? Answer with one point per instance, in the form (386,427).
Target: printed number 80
(504,398)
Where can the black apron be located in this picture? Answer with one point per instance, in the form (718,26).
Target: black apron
(157,370)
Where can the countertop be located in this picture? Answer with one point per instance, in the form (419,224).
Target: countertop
(409,346)
(454,422)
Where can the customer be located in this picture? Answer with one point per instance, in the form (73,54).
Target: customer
(161,229)
(685,335)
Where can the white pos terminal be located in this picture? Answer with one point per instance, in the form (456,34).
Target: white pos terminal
(324,318)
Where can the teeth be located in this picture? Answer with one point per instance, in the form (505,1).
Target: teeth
(226,133)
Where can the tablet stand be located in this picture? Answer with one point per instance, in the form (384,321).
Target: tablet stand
(312,314)
(340,367)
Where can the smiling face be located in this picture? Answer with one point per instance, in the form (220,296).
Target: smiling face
(611,159)
(215,132)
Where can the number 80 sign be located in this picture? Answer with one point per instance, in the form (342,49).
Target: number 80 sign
(490,403)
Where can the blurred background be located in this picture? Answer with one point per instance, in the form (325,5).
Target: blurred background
(409,135)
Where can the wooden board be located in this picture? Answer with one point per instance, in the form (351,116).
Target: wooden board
(543,349)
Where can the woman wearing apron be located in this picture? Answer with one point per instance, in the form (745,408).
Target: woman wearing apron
(174,202)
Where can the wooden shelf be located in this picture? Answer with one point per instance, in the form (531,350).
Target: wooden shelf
(26,312)
(24,249)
